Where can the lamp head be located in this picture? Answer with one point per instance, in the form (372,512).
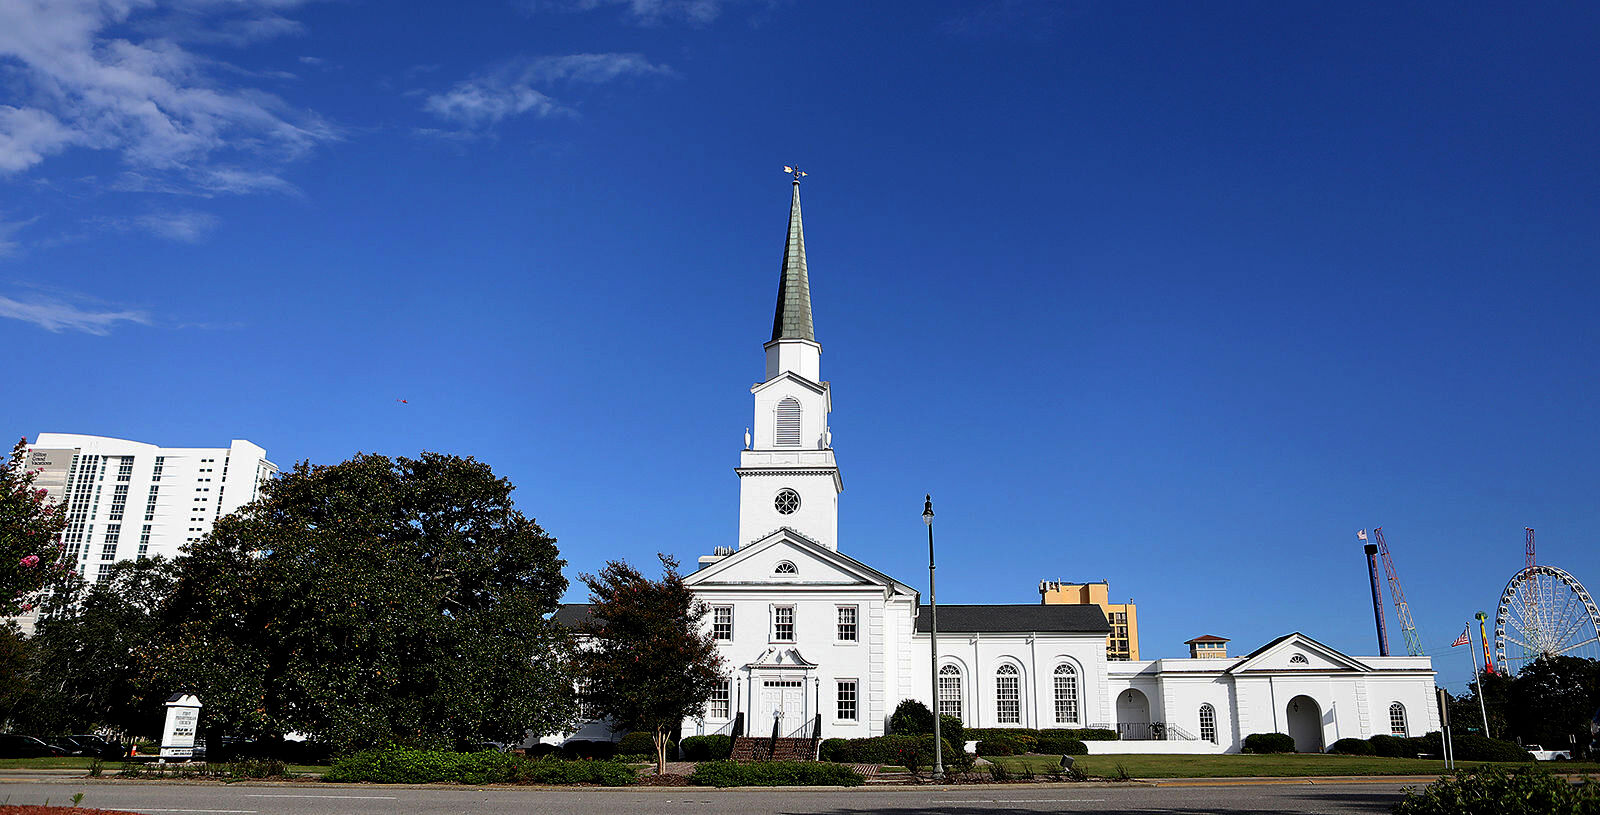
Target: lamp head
(927,511)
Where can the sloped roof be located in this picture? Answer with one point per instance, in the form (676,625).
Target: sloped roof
(1207,638)
(792,318)
(571,615)
(1003,619)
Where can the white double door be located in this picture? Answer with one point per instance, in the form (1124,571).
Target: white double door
(782,699)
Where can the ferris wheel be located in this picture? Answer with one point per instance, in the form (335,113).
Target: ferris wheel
(1544,611)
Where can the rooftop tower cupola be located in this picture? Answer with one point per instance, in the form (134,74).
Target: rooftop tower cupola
(794,339)
(787,473)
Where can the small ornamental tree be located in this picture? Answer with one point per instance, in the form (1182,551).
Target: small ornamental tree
(648,662)
(30,532)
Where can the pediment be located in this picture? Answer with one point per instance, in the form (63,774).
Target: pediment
(790,376)
(776,657)
(767,562)
(1297,652)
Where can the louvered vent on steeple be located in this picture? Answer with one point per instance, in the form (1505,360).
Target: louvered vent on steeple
(787,430)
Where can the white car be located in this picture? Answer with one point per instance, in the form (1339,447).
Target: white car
(1541,754)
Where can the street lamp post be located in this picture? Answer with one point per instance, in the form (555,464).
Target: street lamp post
(933,645)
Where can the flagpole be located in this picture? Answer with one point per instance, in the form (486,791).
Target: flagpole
(1477,675)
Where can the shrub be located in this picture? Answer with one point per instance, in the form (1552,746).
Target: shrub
(1058,742)
(882,750)
(911,718)
(707,748)
(405,766)
(640,743)
(1351,747)
(1092,734)
(554,771)
(773,774)
(1000,747)
(580,748)
(1268,743)
(1392,747)
(951,730)
(1493,791)
(1468,747)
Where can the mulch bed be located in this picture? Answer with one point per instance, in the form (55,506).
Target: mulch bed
(13,809)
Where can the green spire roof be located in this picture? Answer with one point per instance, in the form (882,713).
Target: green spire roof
(792,319)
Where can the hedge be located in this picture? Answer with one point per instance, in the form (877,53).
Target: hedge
(918,750)
(1001,746)
(1268,743)
(1062,745)
(1030,736)
(1392,747)
(405,766)
(582,748)
(1493,791)
(1468,747)
(640,743)
(1351,747)
(707,748)
(774,774)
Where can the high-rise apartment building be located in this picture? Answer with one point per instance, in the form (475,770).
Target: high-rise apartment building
(1123,642)
(126,499)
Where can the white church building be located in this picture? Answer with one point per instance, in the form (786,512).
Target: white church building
(811,636)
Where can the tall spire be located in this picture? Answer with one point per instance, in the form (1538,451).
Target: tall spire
(792,319)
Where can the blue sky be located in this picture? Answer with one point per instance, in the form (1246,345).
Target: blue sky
(1175,296)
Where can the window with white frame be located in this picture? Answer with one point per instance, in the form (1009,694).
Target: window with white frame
(1066,694)
(950,691)
(1299,659)
(1008,695)
(847,623)
(720,705)
(722,623)
(787,423)
(1397,719)
(785,567)
(1208,723)
(846,709)
(783,623)
(580,692)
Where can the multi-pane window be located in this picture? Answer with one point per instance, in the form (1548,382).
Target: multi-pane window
(119,502)
(783,623)
(1397,719)
(125,469)
(720,705)
(105,572)
(787,426)
(1066,694)
(161,462)
(950,691)
(150,504)
(847,700)
(722,623)
(1208,723)
(144,541)
(847,623)
(581,694)
(1008,695)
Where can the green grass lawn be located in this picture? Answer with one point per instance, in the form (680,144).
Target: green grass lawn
(1224,766)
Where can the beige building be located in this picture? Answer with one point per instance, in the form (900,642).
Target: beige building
(1208,646)
(1123,642)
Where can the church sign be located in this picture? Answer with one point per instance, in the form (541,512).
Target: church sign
(183,722)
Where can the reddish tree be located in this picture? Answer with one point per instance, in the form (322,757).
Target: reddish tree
(30,533)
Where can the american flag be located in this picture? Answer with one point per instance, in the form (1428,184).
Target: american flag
(1361,534)
(1463,639)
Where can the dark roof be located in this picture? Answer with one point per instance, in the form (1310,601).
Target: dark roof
(570,614)
(1087,619)
(1207,638)
(792,318)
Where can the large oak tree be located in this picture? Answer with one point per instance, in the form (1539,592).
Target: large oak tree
(377,601)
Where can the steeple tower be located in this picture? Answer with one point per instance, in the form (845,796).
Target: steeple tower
(787,473)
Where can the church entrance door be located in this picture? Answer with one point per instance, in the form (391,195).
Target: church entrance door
(1305,724)
(783,700)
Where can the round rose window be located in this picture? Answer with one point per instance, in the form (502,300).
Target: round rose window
(787,501)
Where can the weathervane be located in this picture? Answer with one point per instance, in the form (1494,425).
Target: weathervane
(796,172)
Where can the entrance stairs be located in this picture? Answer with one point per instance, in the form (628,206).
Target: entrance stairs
(766,748)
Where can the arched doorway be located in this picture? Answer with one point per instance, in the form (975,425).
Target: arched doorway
(1133,714)
(1304,716)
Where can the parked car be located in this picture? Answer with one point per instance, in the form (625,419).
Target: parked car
(14,746)
(98,746)
(1541,754)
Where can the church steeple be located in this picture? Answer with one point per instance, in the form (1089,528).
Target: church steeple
(792,318)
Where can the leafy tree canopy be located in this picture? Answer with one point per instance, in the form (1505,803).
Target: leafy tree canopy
(648,662)
(30,530)
(377,601)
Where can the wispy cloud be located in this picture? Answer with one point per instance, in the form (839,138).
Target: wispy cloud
(647,12)
(58,315)
(510,90)
(158,105)
(7,230)
(184,227)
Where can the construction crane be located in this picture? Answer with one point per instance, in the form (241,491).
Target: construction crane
(1398,595)
(1528,547)
(1371,551)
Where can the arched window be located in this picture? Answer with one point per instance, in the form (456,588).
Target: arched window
(1066,694)
(1397,719)
(1299,659)
(1008,695)
(785,567)
(950,691)
(786,430)
(1208,723)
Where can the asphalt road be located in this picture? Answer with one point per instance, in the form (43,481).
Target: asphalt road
(320,799)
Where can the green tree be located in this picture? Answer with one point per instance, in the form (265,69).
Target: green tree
(1465,714)
(1553,698)
(30,531)
(377,601)
(86,655)
(648,662)
(15,691)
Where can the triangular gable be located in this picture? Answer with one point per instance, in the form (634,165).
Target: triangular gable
(1297,652)
(790,376)
(775,657)
(814,563)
